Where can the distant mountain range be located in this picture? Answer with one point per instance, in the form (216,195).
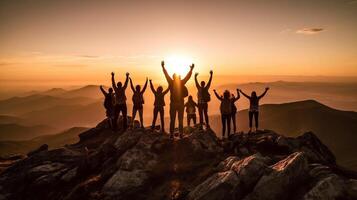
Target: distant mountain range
(20,132)
(69,136)
(337,129)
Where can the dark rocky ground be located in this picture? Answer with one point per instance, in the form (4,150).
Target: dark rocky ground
(146,164)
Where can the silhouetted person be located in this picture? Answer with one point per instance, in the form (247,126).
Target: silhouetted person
(203,98)
(109,105)
(226,112)
(159,105)
(254,107)
(234,110)
(138,101)
(178,92)
(120,101)
(191,110)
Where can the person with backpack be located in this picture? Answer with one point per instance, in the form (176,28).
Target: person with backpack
(226,112)
(254,107)
(120,101)
(178,92)
(234,110)
(191,110)
(159,104)
(109,105)
(203,97)
(138,101)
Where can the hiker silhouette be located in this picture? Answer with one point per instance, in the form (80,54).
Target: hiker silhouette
(159,105)
(254,107)
(234,110)
(178,92)
(120,101)
(226,111)
(203,97)
(109,105)
(138,101)
(190,106)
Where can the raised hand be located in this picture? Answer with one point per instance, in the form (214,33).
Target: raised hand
(162,63)
(112,73)
(211,72)
(192,66)
(214,90)
(267,88)
(150,80)
(196,74)
(127,74)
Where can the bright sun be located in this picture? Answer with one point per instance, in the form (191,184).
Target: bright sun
(178,64)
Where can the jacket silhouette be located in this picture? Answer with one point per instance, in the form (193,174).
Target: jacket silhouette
(120,101)
(159,104)
(138,101)
(203,97)
(234,110)
(226,112)
(191,110)
(109,105)
(178,92)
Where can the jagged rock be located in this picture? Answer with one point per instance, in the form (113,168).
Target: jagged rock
(239,178)
(145,164)
(221,185)
(284,176)
(43,147)
(331,187)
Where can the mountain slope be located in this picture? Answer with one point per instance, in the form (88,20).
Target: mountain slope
(337,129)
(69,136)
(19,132)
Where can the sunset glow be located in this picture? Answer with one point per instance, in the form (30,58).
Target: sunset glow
(178,64)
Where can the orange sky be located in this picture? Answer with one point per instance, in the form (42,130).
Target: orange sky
(86,40)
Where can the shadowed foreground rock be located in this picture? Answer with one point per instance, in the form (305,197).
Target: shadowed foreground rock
(146,164)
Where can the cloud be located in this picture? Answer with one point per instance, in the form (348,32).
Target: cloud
(310,31)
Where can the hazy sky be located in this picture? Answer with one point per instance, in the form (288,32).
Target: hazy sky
(85,40)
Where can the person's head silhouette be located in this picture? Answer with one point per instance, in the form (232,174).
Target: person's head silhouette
(119,85)
(160,89)
(254,94)
(138,88)
(226,94)
(110,90)
(203,83)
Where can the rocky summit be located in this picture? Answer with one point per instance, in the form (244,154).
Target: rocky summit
(146,164)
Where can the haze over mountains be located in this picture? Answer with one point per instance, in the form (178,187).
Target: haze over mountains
(48,112)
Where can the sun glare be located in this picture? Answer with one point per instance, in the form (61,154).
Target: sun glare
(178,64)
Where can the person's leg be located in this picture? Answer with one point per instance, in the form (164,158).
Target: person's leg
(141,111)
(133,116)
(194,118)
(228,121)
(116,117)
(250,121)
(234,122)
(162,119)
(180,113)
(256,120)
(172,119)
(205,111)
(125,116)
(155,117)
(223,125)
(188,120)
(200,113)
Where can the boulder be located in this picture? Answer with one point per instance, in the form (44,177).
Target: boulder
(331,187)
(282,179)
(43,147)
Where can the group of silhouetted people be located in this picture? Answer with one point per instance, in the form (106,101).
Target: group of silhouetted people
(115,103)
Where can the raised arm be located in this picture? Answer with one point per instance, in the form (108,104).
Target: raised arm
(189,74)
(167,90)
(218,97)
(131,85)
(196,82)
(210,80)
(113,82)
(152,87)
(144,88)
(244,94)
(126,81)
(167,76)
(238,95)
(103,91)
(264,93)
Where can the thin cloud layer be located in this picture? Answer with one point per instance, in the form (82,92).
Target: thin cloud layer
(310,31)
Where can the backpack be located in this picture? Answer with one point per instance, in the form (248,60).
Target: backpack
(184,91)
(226,107)
(108,101)
(205,95)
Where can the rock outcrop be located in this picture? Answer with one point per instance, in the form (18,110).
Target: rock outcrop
(146,164)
